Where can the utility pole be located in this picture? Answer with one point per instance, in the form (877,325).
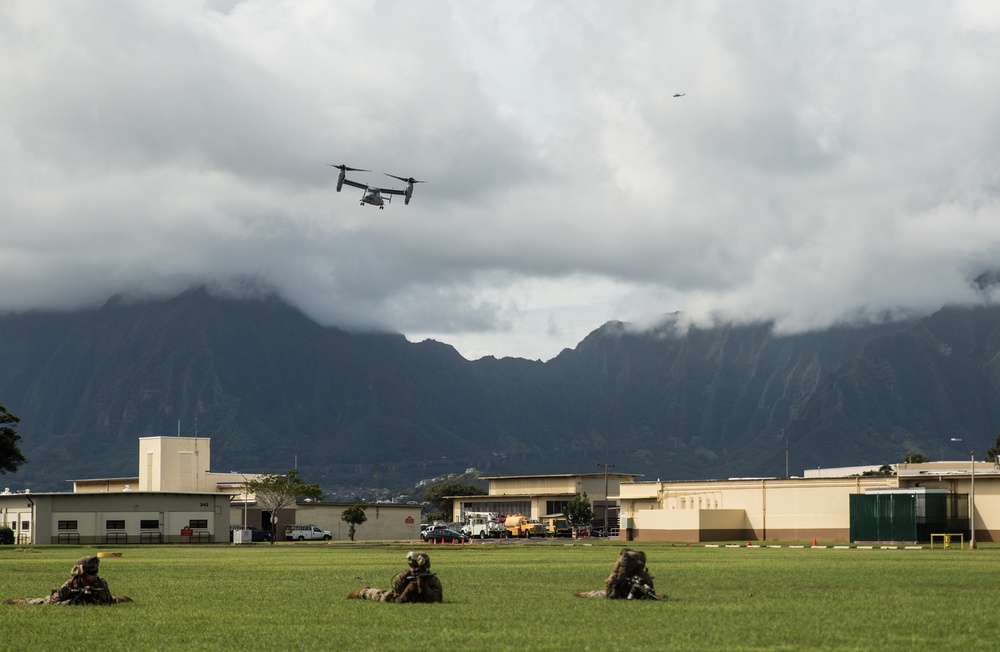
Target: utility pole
(972,494)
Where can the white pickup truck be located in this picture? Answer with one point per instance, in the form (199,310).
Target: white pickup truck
(306,532)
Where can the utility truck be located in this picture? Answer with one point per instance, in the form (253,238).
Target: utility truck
(484,525)
(556,525)
(519,525)
(306,532)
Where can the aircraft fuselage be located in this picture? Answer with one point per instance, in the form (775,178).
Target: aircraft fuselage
(374,197)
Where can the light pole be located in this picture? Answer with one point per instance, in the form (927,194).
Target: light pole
(786,458)
(606,467)
(972,494)
(246,498)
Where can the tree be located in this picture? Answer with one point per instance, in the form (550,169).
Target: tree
(579,511)
(10,455)
(354,516)
(993,452)
(915,458)
(437,495)
(884,471)
(276,492)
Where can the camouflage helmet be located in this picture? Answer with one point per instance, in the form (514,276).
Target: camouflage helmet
(418,561)
(631,560)
(85,566)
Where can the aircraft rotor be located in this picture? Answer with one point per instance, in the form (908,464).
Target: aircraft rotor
(406,179)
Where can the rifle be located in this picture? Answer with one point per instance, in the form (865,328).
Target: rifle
(87,595)
(412,577)
(639,590)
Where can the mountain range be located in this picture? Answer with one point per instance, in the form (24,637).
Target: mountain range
(274,390)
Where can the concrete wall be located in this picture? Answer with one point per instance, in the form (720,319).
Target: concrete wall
(691,525)
(386,521)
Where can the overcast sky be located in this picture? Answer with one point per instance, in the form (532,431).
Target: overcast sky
(830,161)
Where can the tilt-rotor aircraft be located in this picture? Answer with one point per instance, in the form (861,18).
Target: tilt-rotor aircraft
(372,194)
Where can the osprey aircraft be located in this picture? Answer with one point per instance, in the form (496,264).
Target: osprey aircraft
(372,194)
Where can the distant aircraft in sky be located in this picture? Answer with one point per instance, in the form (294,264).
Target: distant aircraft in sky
(679,94)
(372,194)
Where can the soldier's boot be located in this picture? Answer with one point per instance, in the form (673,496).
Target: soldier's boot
(377,595)
(600,593)
(25,601)
(356,595)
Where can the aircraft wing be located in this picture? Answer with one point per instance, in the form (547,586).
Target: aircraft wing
(363,186)
(391,191)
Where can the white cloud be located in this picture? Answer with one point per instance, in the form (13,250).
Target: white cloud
(828,162)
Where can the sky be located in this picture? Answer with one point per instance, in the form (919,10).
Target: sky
(828,162)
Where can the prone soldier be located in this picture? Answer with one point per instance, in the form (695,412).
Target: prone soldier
(628,581)
(84,586)
(415,584)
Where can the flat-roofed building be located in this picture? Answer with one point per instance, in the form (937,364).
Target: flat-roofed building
(122,518)
(771,509)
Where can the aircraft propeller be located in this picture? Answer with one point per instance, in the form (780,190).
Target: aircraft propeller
(406,179)
(344,168)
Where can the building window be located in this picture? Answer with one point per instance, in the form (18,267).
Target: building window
(25,525)
(556,506)
(67,525)
(149,524)
(199,523)
(114,525)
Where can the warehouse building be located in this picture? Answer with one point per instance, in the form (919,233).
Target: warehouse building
(831,505)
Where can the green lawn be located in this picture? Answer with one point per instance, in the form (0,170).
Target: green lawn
(291,597)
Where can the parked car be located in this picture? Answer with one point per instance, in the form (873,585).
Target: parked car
(441,535)
(256,535)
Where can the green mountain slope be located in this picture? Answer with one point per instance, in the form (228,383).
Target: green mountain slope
(274,389)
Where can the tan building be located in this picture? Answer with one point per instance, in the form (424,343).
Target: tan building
(171,464)
(121,518)
(798,509)
(536,496)
(180,465)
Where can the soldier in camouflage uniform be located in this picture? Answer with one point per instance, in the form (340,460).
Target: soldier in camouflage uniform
(415,584)
(84,586)
(628,581)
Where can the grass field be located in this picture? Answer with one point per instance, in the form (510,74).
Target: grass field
(498,597)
